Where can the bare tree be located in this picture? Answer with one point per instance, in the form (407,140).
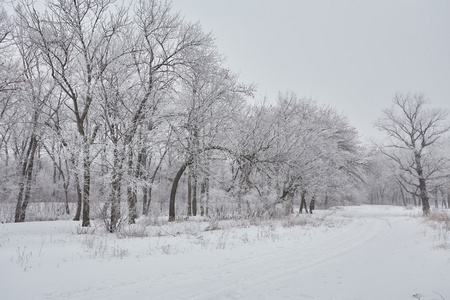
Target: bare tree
(414,132)
(159,46)
(10,78)
(74,38)
(211,97)
(35,91)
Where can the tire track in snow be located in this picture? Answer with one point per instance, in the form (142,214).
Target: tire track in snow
(253,273)
(237,276)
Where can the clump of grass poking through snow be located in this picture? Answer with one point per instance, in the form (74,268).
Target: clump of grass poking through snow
(213,225)
(439,221)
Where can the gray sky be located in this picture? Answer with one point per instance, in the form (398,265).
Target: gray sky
(351,55)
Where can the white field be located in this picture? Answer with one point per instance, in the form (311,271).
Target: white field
(364,252)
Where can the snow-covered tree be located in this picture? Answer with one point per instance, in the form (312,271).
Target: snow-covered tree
(414,135)
(209,98)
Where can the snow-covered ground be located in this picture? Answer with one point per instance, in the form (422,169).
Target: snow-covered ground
(364,252)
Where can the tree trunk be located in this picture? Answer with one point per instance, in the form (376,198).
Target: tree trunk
(448,199)
(26,181)
(132,200)
(79,197)
(115,192)
(312,204)
(66,197)
(194,193)
(86,184)
(289,203)
(422,184)
(145,200)
(189,193)
(424,196)
(207,195)
(147,189)
(22,183)
(142,161)
(19,200)
(173,192)
(204,191)
(26,198)
(303,202)
(436,194)
(403,197)
(152,181)
(445,200)
(239,197)
(131,190)
(202,199)
(149,201)
(54,192)
(66,183)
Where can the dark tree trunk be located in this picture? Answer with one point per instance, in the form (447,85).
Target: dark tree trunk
(189,193)
(79,197)
(202,204)
(207,195)
(22,183)
(131,190)
(422,184)
(448,200)
(150,189)
(147,192)
(303,202)
(143,175)
(145,200)
(173,192)
(132,200)
(204,195)
(436,200)
(19,200)
(194,194)
(115,192)
(240,193)
(55,181)
(446,204)
(86,185)
(287,198)
(66,197)
(424,196)
(312,205)
(26,181)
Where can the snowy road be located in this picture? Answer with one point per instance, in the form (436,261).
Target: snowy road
(378,253)
(274,274)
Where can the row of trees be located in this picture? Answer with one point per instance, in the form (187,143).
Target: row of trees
(108,103)
(117,101)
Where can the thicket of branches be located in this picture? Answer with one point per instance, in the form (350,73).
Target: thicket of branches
(104,104)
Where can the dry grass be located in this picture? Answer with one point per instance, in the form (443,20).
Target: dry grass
(439,221)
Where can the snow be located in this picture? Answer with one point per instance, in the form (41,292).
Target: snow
(360,252)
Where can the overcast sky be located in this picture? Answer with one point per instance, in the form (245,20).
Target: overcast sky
(351,55)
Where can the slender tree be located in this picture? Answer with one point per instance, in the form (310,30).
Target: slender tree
(35,92)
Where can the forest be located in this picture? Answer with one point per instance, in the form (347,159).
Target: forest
(113,111)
